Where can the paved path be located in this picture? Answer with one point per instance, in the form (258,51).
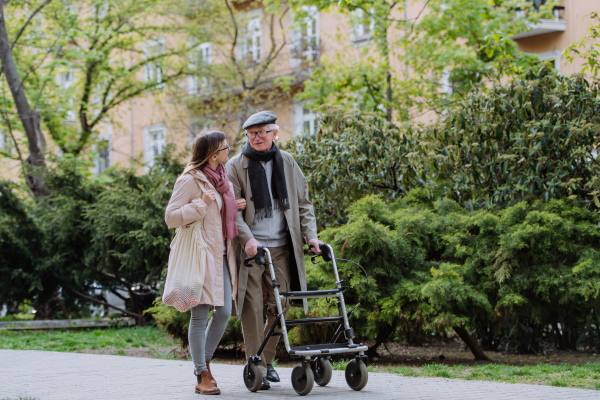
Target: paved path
(63,376)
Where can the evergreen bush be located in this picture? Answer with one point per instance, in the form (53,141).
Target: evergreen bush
(515,279)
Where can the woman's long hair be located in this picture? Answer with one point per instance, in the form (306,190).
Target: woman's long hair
(205,145)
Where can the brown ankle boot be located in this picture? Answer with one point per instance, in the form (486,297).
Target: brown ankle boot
(210,375)
(204,385)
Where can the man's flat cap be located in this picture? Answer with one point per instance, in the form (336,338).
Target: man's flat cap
(260,118)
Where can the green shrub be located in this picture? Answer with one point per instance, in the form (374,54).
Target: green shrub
(516,278)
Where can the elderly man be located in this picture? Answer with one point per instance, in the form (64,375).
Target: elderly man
(278,213)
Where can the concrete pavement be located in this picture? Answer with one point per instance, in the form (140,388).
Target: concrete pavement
(63,376)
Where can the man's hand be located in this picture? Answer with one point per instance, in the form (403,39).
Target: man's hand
(208,196)
(241,204)
(251,246)
(317,245)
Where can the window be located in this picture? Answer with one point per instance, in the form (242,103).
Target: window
(200,57)
(305,120)
(103,148)
(5,143)
(363,26)
(305,40)
(66,80)
(553,57)
(195,129)
(446,84)
(251,45)
(153,69)
(155,141)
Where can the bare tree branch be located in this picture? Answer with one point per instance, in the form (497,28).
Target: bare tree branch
(136,316)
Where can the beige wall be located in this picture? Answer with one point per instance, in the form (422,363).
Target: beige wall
(576,14)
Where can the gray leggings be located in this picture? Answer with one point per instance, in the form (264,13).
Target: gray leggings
(202,346)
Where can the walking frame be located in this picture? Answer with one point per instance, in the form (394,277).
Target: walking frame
(316,359)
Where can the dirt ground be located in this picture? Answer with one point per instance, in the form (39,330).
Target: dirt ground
(454,352)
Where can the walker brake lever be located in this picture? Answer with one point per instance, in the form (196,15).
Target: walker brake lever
(325,253)
(259,258)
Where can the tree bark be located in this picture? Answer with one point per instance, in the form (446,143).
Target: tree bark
(29,118)
(472,343)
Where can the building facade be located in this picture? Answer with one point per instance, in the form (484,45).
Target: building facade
(140,129)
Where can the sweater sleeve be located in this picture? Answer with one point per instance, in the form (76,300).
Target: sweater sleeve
(182,210)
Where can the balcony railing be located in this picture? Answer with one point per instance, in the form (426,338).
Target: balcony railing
(545,25)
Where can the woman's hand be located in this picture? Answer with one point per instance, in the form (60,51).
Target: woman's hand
(208,196)
(241,204)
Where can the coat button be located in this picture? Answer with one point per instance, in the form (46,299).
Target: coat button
(252,198)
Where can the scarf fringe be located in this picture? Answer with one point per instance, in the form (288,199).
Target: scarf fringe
(282,204)
(263,213)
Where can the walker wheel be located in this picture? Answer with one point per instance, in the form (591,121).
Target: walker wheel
(356,374)
(302,379)
(252,377)
(322,371)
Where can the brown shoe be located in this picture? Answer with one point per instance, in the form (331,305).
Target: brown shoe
(210,375)
(204,385)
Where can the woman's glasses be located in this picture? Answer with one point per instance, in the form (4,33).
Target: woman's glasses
(224,148)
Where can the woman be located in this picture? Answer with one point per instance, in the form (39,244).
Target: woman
(203,193)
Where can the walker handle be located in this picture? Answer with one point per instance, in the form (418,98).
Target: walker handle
(325,253)
(259,258)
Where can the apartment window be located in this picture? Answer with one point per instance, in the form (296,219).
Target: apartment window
(200,57)
(101,10)
(305,120)
(65,81)
(5,143)
(551,56)
(153,69)
(251,40)
(446,84)
(155,141)
(195,129)
(103,148)
(305,40)
(363,26)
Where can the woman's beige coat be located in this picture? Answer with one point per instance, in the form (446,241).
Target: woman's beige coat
(186,206)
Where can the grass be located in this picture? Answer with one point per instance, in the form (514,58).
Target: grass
(564,375)
(116,339)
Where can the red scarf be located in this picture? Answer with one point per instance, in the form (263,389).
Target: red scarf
(219,180)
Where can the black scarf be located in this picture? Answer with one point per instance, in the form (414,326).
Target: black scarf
(258,181)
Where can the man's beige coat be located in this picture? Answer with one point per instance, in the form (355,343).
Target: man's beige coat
(300,219)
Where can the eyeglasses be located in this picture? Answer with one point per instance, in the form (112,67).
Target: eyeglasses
(261,134)
(224,148)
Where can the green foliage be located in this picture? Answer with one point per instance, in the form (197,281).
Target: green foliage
(90,234)
(565,375)
(516,278)
(353,154)
(533,138)
(79,60)
(406,60)
(170,320)
(68,340)
(20,239)
(588,48)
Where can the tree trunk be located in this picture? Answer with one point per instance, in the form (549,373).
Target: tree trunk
(472,343)
(29,118)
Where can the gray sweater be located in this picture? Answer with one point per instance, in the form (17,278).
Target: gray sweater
(270,232)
